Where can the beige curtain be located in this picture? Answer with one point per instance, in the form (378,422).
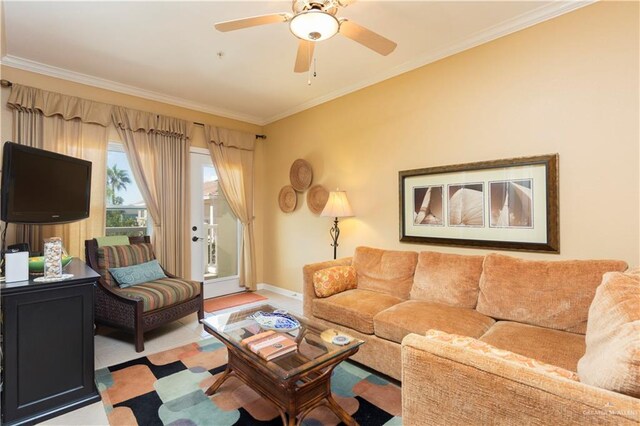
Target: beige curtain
(158,150)
(70,126)
(232,155)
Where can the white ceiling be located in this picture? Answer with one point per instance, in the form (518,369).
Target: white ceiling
(167,51)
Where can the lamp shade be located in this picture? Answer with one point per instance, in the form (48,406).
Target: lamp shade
(314,25)
(337,205)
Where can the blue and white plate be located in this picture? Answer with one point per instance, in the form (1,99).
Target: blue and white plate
(276,321)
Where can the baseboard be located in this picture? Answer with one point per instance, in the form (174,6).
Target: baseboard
(282,291)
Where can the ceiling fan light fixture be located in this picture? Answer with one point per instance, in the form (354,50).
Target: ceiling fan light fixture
(314,25)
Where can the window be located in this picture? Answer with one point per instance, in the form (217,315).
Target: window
(126,210)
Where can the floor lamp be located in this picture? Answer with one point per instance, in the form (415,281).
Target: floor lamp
(337,206)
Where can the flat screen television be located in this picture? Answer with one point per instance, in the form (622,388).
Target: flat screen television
(41,186)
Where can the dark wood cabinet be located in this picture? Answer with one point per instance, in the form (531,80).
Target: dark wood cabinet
(48,353)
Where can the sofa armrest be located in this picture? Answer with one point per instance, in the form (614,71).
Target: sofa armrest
(308,293)
(445,384)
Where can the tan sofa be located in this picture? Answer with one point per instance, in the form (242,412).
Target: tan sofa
(536,309)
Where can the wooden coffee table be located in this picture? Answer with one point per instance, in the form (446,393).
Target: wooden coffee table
(297,382)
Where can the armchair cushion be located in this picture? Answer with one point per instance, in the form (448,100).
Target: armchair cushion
(329,281)
(161,293)
(119,256)
(127,276)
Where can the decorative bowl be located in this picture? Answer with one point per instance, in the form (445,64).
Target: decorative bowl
(36,264)
(276,321)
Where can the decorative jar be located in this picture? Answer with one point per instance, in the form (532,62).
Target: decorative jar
(53,257)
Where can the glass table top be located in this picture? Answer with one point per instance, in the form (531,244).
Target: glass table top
(316,345)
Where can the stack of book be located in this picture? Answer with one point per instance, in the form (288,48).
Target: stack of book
(269,344)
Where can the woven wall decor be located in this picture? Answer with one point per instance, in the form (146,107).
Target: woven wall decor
(317,198)
(287,199)
(301,175)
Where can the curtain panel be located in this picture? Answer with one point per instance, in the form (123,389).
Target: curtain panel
(158,151)
(232,153)
(70,126)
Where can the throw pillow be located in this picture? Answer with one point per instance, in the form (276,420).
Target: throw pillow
(329,281)
(612,358)
(137,274)
(482,348)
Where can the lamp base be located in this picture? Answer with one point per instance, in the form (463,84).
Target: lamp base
(335,233)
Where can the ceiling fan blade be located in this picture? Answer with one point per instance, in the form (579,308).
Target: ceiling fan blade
(367,38)
(304,56)
(254,21)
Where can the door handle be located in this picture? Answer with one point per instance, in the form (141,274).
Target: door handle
(195,239)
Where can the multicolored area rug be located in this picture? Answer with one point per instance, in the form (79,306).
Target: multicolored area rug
(219,303)
(168,389)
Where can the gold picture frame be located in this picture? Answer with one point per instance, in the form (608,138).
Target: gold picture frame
(509,204)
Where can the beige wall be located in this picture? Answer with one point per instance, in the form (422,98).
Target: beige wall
(101,95)
(567,86)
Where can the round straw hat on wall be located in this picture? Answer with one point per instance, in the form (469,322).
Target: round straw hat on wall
(301,175)
(287,199)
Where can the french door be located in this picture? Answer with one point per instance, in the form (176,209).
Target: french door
(215,230)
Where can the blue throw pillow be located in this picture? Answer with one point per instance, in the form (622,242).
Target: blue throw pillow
(128,276)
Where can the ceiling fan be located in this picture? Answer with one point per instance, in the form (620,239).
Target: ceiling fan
(313,21)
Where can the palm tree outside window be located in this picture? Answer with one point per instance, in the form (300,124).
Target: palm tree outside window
(126,210)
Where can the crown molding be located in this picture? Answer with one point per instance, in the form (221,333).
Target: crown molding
(510,26)
(541,14)
(40,68)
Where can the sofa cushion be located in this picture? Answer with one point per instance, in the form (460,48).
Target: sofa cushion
(161,293)
(118,256)
(385,271)
(416,316)
(353,308)
(555,347)
(612,358)
(553,294)
(489,350)
(330,281)
(451,279)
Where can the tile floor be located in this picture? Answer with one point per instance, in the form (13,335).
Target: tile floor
(113,347)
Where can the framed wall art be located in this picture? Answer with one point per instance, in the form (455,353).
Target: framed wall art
(504,204)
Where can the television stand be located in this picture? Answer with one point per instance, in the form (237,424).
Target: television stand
(48,362)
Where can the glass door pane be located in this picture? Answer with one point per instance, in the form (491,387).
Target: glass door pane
(220,227)
(215,230)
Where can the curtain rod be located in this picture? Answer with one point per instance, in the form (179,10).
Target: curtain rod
(7,83)
(257,136)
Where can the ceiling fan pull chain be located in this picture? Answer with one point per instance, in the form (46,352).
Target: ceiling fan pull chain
(309,71)
(314,67)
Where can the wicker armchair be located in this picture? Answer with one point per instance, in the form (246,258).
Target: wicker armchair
(119,308)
